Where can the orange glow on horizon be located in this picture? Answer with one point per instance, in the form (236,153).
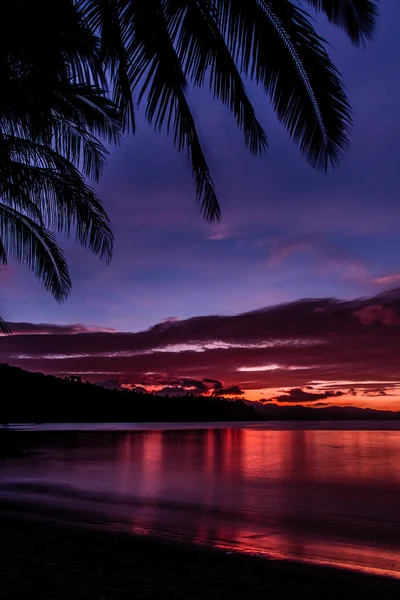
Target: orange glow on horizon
(390,401)
(387,399)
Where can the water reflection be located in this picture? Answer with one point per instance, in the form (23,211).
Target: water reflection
(309,494)
(330,496)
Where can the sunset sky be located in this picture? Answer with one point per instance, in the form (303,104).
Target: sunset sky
(287,233)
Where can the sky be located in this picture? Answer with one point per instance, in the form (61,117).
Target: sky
(287,233)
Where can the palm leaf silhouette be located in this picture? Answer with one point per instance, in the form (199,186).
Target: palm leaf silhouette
(155,49)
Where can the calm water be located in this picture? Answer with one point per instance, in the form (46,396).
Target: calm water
(307,493)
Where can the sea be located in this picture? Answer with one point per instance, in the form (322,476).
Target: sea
(326,493)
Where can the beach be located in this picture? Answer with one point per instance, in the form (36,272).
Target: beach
(49,560)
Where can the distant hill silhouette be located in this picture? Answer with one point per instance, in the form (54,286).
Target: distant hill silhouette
(274,412)
(37,398)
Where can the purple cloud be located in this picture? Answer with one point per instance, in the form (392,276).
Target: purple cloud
(345,345)
(297,395)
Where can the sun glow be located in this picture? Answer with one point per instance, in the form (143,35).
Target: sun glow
(274,367)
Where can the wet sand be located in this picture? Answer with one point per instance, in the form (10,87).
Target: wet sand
(49,560)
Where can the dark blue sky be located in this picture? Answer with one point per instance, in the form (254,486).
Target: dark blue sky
(286,233)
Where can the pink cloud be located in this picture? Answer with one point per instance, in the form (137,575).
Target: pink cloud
(377,313)
(281,250)
(51,329)
(328,257)
(387,280)
(221,231)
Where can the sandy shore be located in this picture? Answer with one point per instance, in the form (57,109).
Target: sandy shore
(50,560)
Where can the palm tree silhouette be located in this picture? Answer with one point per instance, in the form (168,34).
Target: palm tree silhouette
(51,110)
(59,58)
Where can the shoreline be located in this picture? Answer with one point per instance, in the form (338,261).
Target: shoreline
(115,428)
(60,559)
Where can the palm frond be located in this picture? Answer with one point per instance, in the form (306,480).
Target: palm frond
(83,105)
(44,184)
(15,198)
(4,328)
(80,115)
(356,17)
(3,255)
(33,72)
(65,39)
(278,47)
(203,53)
(88,107)
(156,67)
(64,200)
(33,246)
(26,152)
(80,147)
(105,17)
(81,50)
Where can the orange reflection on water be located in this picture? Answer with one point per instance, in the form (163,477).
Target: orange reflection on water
(325,496)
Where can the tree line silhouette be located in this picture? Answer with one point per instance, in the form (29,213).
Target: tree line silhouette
(38,398)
